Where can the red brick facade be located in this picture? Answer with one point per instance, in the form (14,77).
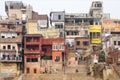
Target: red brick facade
(32,49)
(82,43)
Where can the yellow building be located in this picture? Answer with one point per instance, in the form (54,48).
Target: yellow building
(32,28)
(95,34)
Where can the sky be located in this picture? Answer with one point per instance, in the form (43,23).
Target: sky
(69,6)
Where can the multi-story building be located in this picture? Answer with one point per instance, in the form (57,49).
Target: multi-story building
(10,46)
(115,39)
(85,24)
(32,50)
(110,25)
(38,50)
(77,25)
(110,34)
(54,51)
(96,11)
(58,53)
(57,20)
(17,10)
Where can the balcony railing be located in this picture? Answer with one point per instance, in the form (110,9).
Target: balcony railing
(8,50)
(32,42)
(31,51)
(10,59)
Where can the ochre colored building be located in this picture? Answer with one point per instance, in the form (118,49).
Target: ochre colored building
(33,28)
(10,47)
(110,25)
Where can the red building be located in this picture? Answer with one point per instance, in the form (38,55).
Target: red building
(46,46)
(38,49)
(32,50)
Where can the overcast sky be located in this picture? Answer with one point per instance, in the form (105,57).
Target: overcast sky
(70,6)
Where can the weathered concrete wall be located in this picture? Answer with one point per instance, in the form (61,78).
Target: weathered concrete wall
(10,68)
(57,77)
(32,28)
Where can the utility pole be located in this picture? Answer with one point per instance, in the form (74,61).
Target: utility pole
(64,45)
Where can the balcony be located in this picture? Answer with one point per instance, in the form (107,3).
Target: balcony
(73,27)
(8,50)
(96,40)
(32,41)
(31,51)
(10,59)
(95,28)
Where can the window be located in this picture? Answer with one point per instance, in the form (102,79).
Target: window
(35,70)
(59,17)
(18,34)
(57,58)
(94,34)
(118,42)
(85,43)
(61,34)
(28,60)
(75,33)
(96,23)
(44,49)
(61,46)
(59,26)
(13,47)
(28,70)
(78,43)
(11,7)
(4,47)
(3,36)
(114,42)
(13,36)
(68,33)
(86,32)
(9,47)
(55,46)
(98,34)
(34,60)
(90,35)
(72,32)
